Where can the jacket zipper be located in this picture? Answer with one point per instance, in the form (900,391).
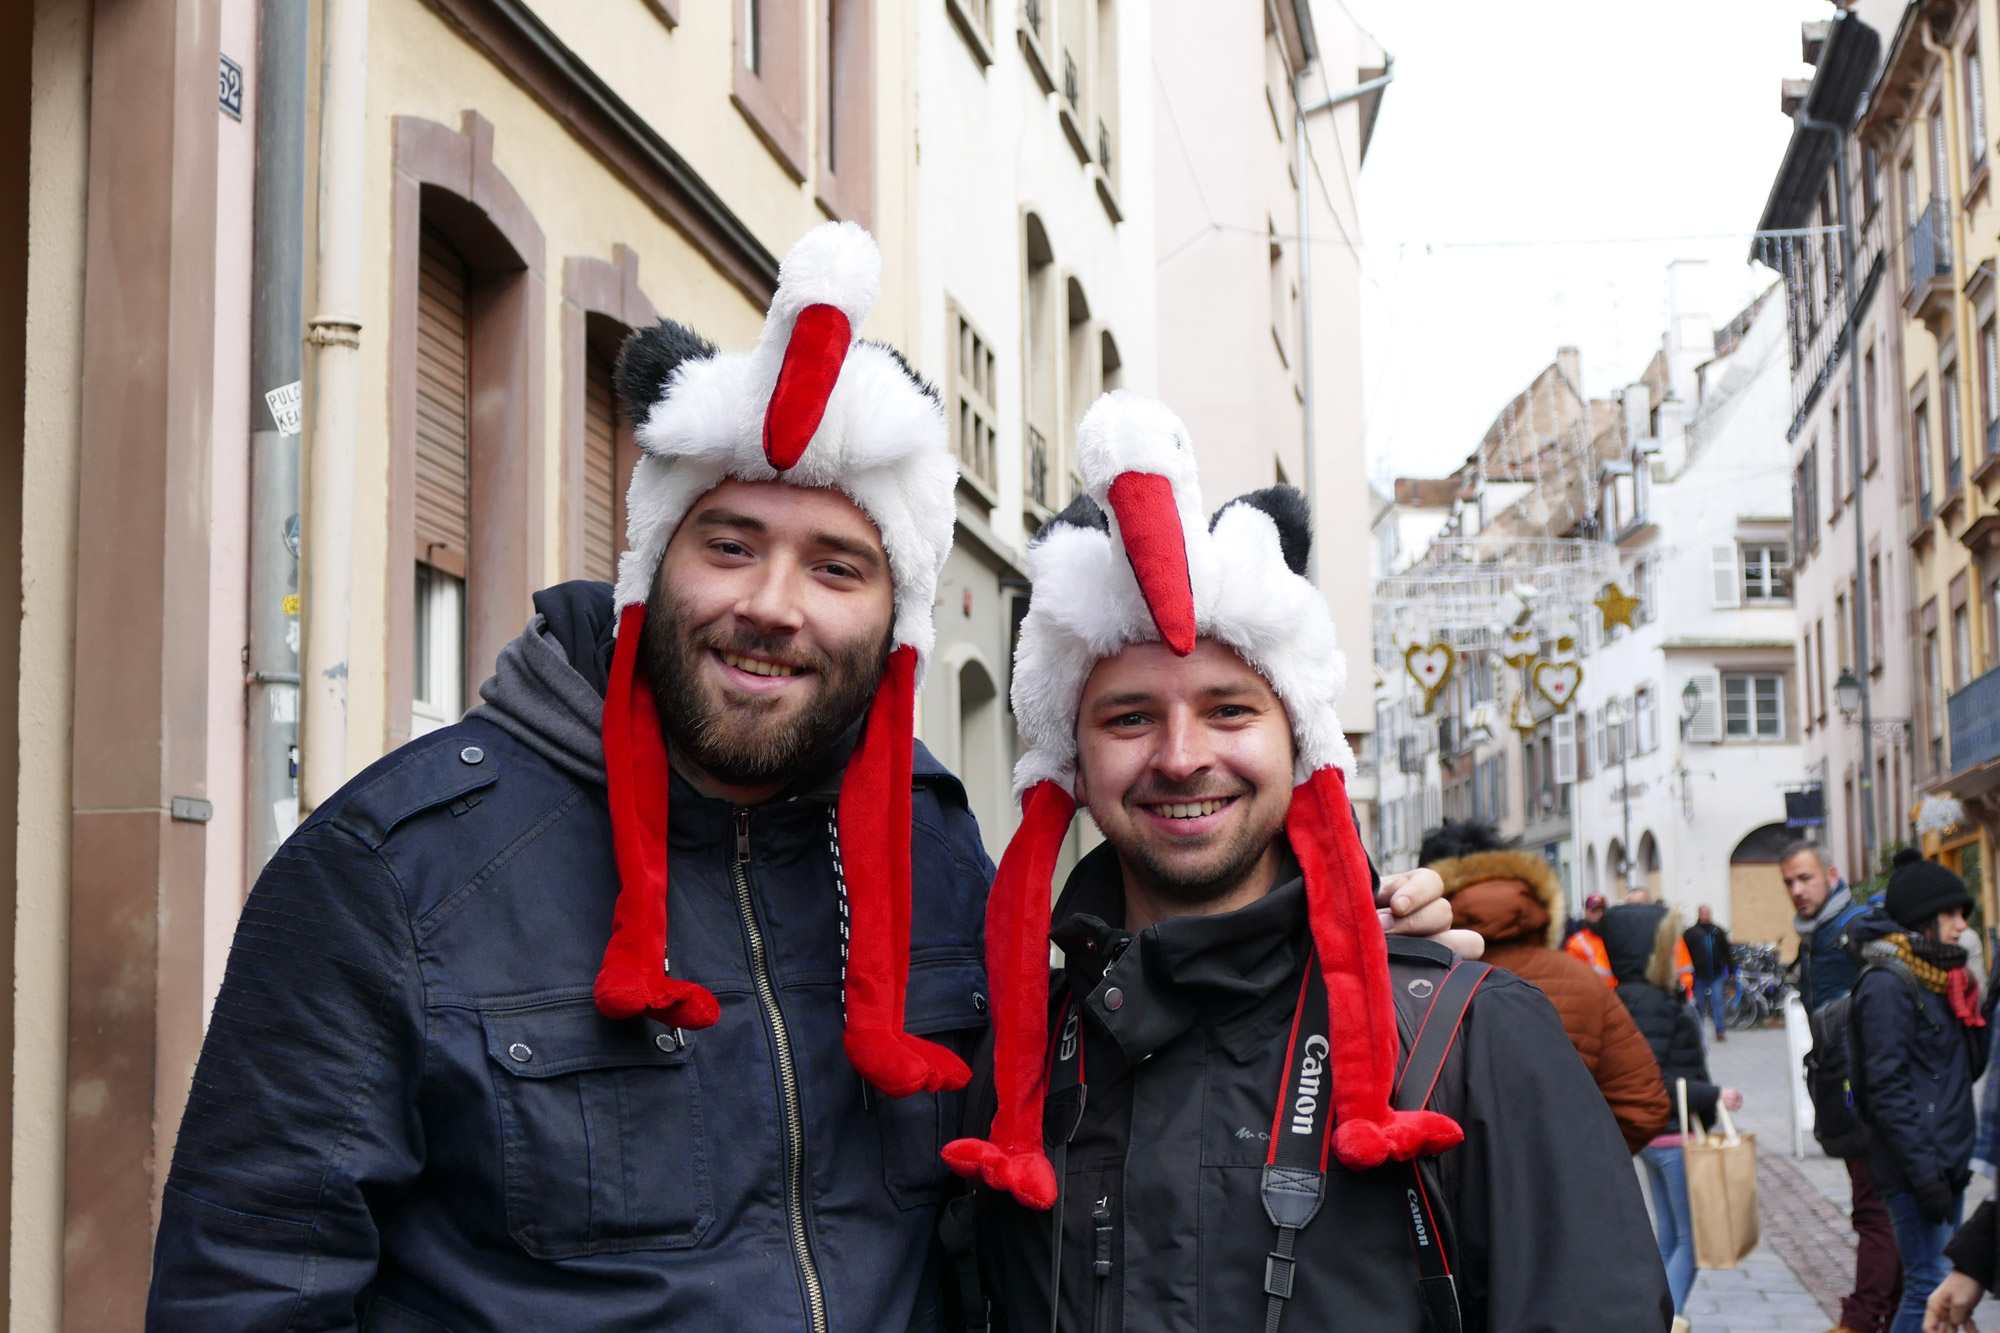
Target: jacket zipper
(788,1083)
(1101,1264)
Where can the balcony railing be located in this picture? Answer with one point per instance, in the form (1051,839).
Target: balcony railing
(1819,322)
(1930,245)
(1975,722)
(1036,473)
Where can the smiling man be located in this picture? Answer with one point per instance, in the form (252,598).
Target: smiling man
(639,998)
(1221,1115)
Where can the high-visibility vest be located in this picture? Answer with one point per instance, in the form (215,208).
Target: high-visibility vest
(1586,946)
(1684,967)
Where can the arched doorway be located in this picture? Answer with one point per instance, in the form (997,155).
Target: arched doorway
(1648,867)
(1615,871)
(1590,870)
(1759,910)
(979,743)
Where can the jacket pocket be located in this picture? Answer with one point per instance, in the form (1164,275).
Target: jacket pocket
(601,1131)
(947,1005)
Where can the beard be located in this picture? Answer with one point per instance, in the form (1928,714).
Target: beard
(755,740)
(1192,881)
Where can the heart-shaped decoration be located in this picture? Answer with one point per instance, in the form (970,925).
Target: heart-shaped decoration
(1557,682)
(1430,666)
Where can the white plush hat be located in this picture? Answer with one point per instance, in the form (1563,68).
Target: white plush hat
(810,405)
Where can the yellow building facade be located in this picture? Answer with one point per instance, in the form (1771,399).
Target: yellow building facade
(1928,159)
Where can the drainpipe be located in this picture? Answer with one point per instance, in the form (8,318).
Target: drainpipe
(277,316)
(335,333)
(1850,283)
(1305,282)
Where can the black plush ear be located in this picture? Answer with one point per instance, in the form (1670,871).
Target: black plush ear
(648,359)
(1081,512)
(1287,507)
(923,385)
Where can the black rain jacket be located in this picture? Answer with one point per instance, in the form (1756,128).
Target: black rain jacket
(409,1115)
(1551,1233)
(1634,935)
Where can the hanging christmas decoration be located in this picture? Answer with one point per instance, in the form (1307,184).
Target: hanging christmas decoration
(1939,814)
(1521,714)
(1483,723)
(1430,666)
(1617,607)
(1520,648)
(1557,682)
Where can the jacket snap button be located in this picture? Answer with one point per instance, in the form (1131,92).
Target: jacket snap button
(472,754)
(521,1051)
(665,1041)
(1114,998)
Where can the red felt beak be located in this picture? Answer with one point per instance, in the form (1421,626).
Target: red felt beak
(813,356)
(1150,526)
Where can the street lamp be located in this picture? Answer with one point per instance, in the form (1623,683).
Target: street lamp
(1847,692)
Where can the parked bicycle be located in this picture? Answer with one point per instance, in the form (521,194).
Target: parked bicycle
(1757,987)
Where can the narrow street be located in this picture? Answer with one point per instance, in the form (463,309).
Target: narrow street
(1793,1281)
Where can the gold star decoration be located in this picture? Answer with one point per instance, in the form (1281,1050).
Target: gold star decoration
(1616,607)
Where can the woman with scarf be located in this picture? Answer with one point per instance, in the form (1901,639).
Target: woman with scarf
(1919,1044)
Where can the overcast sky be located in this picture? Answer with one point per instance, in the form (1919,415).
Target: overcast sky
(1553,121)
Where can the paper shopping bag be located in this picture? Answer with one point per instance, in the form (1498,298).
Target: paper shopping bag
(1722,1188)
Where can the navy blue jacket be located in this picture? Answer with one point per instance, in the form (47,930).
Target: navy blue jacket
(1917,1064)
(409,1115)
(1827,967)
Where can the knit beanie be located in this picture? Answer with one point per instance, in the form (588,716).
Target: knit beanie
(1922,889)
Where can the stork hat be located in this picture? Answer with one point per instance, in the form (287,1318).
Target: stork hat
(811,406)
(1135,562)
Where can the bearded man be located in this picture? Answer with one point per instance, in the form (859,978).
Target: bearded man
(462,1075)
(1238,1106)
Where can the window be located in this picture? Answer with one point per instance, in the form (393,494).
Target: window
(1646,719)
(1643,588)
(1940,168)
(1585,744)
(845,184)
(1920,446)
(1841,655)
(1767,572)
(601,491)
(1281,303)
(1805,501)
(1934,700)
(769,76)
(1806,661)
(973,394)
(1875,613)
(1975,105)
(1753,706)
(1819,664)
(1871,181)
(1992,618)
(443,491)
(1079,370)
(1104,96)
(1910,193)
(1989,390)
(1042,475)
(1834,475)
(1869,415)
(1961,647)
(1954,432)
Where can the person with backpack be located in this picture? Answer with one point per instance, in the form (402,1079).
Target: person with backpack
(1642,942)
(1235,1106)
(1917,1043)
(1826,972)
(1510,897)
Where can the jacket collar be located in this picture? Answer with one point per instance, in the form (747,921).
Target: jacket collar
(1170,976)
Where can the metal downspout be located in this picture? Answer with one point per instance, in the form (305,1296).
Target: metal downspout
(277,325)
(335,333)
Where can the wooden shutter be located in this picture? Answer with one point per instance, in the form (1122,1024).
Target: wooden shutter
(1564,729)
(443,369)
(600,471)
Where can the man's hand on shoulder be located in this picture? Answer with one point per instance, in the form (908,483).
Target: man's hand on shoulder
(1412,903)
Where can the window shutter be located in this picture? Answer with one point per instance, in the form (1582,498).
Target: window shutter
(1728,586)
(600,486)
(1707,722)
(1565,744)
(443,508)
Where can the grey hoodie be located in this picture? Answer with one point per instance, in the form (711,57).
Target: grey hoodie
(547,689)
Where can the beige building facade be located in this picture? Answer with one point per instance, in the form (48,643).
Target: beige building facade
(529,182)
